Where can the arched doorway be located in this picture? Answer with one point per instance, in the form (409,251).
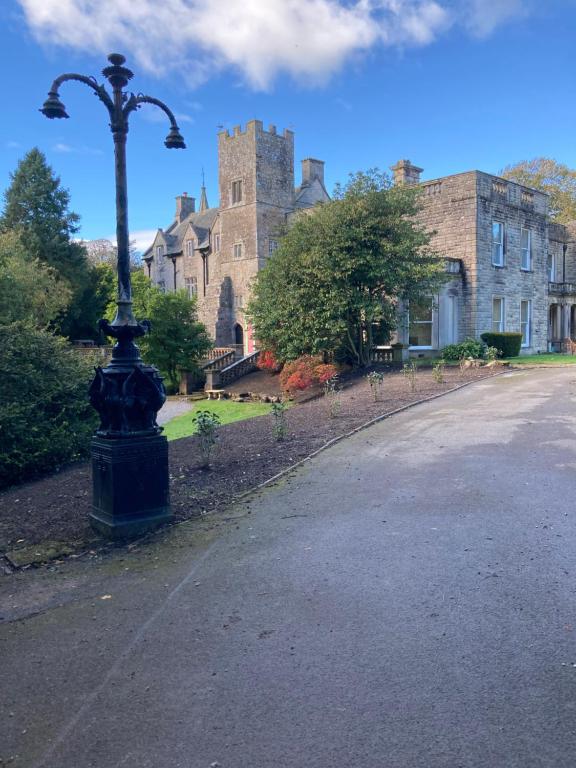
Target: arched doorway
(239,339)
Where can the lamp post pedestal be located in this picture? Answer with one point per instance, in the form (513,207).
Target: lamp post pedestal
(130,485)
(129,455)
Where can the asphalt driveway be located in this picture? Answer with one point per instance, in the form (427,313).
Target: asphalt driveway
(405,600)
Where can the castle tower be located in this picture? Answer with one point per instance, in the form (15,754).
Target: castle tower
(256,187)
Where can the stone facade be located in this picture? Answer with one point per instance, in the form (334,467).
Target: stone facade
(216,252)
(500,234)
(510,267)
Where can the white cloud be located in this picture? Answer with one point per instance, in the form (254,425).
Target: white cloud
(13,145)
(309,40)
(142,238)
(483,17)
(67,149)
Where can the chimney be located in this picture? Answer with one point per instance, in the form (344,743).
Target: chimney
(184,206)
(312,169)
(406,173)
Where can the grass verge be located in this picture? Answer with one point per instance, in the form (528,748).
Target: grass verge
(552,358)
(227,410)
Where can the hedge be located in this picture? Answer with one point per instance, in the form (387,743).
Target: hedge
(507,343)
(45,418)
(464,349)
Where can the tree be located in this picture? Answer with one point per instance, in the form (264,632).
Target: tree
(177,339)
(29,289)
(103,251)
(547,175)
(37,209)
(339,271)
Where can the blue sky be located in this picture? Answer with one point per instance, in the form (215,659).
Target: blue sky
(450,84)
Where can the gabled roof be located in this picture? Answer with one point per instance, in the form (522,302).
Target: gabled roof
(201,223)
(310,193)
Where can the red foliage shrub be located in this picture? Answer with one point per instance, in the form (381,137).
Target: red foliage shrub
(324,372)
(267,362)
(305,371)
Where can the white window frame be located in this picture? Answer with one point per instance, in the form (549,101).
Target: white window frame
(552,267)
(237,251)
(527,333)
(191,285)
(189,248)
(237,192)
(499,243)
(159,252)
(272,246)
(502,321)
(424,322)
(525,253)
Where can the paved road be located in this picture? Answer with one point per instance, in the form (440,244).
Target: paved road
(406,600)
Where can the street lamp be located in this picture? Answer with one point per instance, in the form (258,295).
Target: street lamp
(129,455)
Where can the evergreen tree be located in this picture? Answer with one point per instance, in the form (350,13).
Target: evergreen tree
(37,209)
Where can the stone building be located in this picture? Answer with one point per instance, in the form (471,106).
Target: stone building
(513,269)
(215,252)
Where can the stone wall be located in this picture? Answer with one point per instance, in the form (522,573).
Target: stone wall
(460,209)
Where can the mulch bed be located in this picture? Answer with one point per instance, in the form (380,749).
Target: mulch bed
(55,508)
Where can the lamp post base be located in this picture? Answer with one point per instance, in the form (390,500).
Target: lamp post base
(130,485)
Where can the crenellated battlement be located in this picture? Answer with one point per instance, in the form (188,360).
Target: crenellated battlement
(255,127)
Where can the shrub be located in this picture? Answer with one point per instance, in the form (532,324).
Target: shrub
(267,362)
(332,394)
(305,371)
(279,425)
(492,354)
(376,381)
(507,343)
(207,424)
(438,372)
(464,349)
(409,373)
(46,420)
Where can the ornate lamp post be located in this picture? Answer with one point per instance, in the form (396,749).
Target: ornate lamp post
(129,455)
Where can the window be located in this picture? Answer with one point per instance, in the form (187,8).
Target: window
(238,301)
(526,249)
(162,286)
(552,267)
(159,252)
(525,318)
(420,333)
(237,250)
(272,245)
(497,244)
(206,272)
(189,248)
(497,314)
(191,284)
(236,192)
(217,243)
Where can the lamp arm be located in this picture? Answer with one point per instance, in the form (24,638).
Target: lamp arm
(135,102)
(91,82)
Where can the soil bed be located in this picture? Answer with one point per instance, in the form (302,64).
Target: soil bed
(53,511)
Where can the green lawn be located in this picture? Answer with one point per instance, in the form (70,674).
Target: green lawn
(228,411)
(552,358)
